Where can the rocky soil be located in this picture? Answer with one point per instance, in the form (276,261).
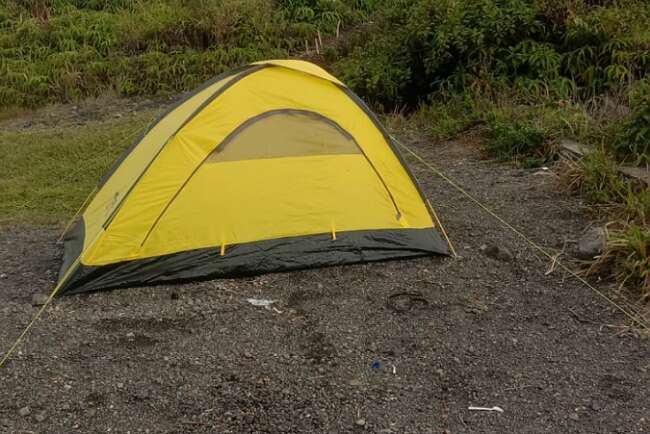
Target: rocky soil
(392,347)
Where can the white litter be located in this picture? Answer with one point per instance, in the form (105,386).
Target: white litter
(495,408)
(261,302)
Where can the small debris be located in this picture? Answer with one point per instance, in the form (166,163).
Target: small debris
(260,302)
(574,416)
(495,408)
(130,335)
(360,422)
(376,364)
(120,385)
(39,299)
(25,411)
(355,382)
(40,416)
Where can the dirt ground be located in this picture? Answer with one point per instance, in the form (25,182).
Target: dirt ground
(392,347)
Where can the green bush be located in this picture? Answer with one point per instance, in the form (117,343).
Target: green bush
(633,139)
(516,140)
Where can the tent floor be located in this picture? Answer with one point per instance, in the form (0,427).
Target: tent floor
(400,346)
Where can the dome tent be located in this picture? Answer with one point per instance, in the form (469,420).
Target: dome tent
(273,166)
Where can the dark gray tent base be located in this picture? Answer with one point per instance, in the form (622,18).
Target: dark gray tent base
(260,257)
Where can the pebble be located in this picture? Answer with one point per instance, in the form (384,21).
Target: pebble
(591,243)
(574,416)
(39,299)
(40,416)
(496,252)
(130,335)
(360,422)
(355,382)
(25,411)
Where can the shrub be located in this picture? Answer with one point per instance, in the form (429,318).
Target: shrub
(517,140)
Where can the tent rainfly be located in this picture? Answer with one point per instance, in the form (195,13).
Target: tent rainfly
(273,166)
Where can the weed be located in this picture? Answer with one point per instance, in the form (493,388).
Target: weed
(627,257)
(517,140)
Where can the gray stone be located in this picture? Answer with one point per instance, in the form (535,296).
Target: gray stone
(25,411)
(496,252)
(39,299)
(592,243)
(360,422)
(40,416)
(574,416)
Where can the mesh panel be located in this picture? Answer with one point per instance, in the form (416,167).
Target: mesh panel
(284,133)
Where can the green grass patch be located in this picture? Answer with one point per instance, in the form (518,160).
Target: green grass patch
(47,174)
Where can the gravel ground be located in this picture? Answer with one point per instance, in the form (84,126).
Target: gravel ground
(392,347)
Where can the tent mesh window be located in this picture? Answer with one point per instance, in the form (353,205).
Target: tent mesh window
(285,133)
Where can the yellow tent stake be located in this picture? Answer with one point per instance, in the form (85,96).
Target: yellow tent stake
(637,319)
(20,338)
(442,229)
(333,232)
(79,211)
(223,249)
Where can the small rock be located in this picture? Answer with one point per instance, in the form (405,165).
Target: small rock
(40,416)
(25,411)
(596,407)
(4,422)
(130,335)
(65,407)
(574,416)
(120,385)
(355,382)
(3,275)
(440,372)
(591,243)
(39,299)
(496,252)
(360,422)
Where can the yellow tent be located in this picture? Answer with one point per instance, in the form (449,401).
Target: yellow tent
(273,166)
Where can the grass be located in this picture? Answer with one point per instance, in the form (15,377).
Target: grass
(48,173)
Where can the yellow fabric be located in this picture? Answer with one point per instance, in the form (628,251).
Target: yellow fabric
(302,66)
(285,197)
(112,192)
(182,203)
